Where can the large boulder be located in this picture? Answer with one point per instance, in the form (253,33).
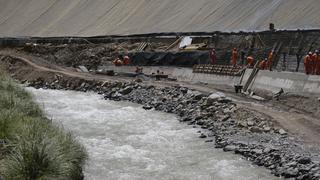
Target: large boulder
(216,97)
(126,90)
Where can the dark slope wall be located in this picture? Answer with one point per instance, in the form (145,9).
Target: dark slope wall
(105,17)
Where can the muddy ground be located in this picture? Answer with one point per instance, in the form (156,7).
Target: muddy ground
(289,126)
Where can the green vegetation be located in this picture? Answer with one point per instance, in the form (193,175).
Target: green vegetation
(31,146)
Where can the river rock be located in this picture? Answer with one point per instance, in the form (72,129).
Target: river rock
(257,151)
(266,128)
(224,118)
(202,136)
(126,90)
(230,148)
(214,97)
(183,90)
(138,80)
(147,107)
(282,132)
(290,172)
(304,160)
(255,129)
(250,122)
(242,124)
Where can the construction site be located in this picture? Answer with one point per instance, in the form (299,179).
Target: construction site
(172,89)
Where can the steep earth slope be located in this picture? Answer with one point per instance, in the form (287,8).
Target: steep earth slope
(99,17)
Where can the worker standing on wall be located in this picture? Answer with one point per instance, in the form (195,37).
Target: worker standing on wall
(250,61)
(317,63)
(234,57)
(126,60)
(270,60)
(263,64)
(307,61)
(118,61)
(313,62)
(213,56)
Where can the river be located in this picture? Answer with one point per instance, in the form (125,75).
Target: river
(126,142)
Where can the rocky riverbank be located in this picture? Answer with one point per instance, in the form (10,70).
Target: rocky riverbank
(230,127)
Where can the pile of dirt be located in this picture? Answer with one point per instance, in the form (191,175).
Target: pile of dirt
(21,70)
(89,55)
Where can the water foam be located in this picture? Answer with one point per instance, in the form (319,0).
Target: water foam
(126,142)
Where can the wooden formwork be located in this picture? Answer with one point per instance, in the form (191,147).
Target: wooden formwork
(217,69)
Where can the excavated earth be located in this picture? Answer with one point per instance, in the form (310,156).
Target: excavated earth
(231,126)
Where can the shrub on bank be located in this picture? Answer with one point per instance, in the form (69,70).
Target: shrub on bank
(32,147)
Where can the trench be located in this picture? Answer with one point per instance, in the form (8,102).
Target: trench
(124,141)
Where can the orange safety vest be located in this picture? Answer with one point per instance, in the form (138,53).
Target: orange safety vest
(234,57)
(250,60)
(318,65)
(306,62)
(126,61)
(263,65)
(270,58)
(313,63)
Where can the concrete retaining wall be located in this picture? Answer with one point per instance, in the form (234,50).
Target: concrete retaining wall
(265,80)
(289,81)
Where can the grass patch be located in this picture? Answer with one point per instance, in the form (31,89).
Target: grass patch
(31,146)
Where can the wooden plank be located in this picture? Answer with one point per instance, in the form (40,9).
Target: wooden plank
(174,43)
(263,44)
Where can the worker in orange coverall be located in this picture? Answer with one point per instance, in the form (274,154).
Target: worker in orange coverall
(270,60)
(313,62)
(234,57)
(213,56)
(250,61)
(263,64)
(317,64)
(307,63)
(126,60)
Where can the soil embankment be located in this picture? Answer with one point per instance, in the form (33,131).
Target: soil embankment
(231,127)
(53,17)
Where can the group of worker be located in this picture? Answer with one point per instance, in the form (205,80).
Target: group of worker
(265,64)
(120,60)
(312,63)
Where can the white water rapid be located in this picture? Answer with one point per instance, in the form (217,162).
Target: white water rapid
(126,142)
